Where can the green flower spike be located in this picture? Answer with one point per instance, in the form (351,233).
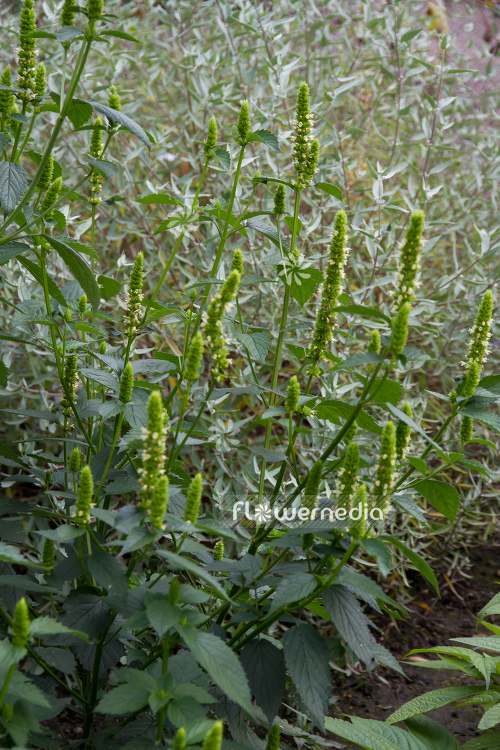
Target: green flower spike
(159,503)
(312,486)
(350,433)
(385,469)
(82,304)
(102,347)
(211,141)
(114,99)
(400,329)
(213,739)
(46,176)
(68,315)
(403,433)
(179,742)
(478,345)
(237,262)
(134,296)
(70,382)
(27,52)
(292,394)
(48,556)
(471,379)
(50,198)
(409,260)
(95,178)
(194,358)
(305,149)
(359,528)
(332,287)
(348,476)
(126,384)
(174,591)
(279,200)
(40,80)
(214,339)
(7,98)
(244,123)
(466,430)
(67,13)
(375,344)
(85,493)
(193,499)
(95,8)
(20,624)
(218,551)
(273,738)
(75,460)
(153,457)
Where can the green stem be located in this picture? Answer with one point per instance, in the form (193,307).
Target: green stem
(6,682)
(196,420)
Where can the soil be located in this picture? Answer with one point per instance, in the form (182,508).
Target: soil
(432,621)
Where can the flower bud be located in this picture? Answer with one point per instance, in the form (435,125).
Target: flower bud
(348,475)
(375,344)
(153,455)
(20,624)
(194,358)
(126,384)
(27,52)
(75,461)
(67,13)
(193,499)
(174,591)
(478,345)
(237,262)
(218,551)
(244,123)
(279,200)
(409,259)
(213,337)
(134,296)
(95,9)
(400,329)
(359,528)
(70,383)
(213,739)
(82,304)
(50,198)
(466,429)
(7,98)
(292,394)
(48,476)
(350,433)
(471,379)
(48,556)
(159,503)
(95,178)
(273,738)
(40,80)
(403,433)
(85,493)
(312,486)
(179,742)
(102,347)
(46,176)
(305,150)
(211,141)
(114,99)
(68,315)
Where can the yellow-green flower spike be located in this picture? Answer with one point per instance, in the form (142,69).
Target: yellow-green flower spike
(82,304)
(471,379)
(50,198)
(273,738)
(292,394)
(134,296)
(95,9)
(348,475)
(67,13)
(409,260)
(193,499)
(312,486)
(159,503)
(237,262)
(40,80)
(68,315)
(280,200)
(403,433)
(213,739)
(7,98)
(70,383)
(375,344)
(46,176)
(20,624)
(153,455)
(385,469)
(179,742)
(478,345)
(7,711)
(244,123)
(95,178)
(351,433)
(27,52)
(466,430)
(126,384)
(75,460)
(48,556)
(305,154)
(102,347)
(325,317)
(218,550)
(211,141)
(400,329)
(213,337)
(85,493)
(359,528)
(194,358)
(114,99)
(174,591)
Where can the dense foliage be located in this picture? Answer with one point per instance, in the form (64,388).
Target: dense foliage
(275,399)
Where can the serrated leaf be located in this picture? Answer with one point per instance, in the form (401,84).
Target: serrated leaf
(257,344)
(106,168)
(373,735)
(13,184)
(363,311)
(47,626)
(13,555)
(350,620)
(415,558)
(482,415)
(109,287)
(224,157)
(442,496)
(292,589)
(264,665)
(488,741)
(124,699)
(306,657)
(162,199)
(11,250)
(162,615)
(126,122)
(268,231)
(108,572)
(152,366)
(265,136)
(67,33)
(429,701)
(106,379)
(330,189)
(303,283)
(120,35)
(327,409)
(88,613)
(79,113)
(80,270)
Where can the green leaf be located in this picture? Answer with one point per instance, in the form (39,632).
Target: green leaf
(382,655)
(88,613)
(223,666)
(47,626)
(124,699)
(350,620)
(79,113)
(13,555)
(373,735)
(11,250)
(162,615)
(489,741)
(177,562)
(152,367)
(306,657)
(36,272)
(126,122)
(327,409)
(418,562)
(80,270)
(264,665)
(163,199)
(224,157)
(268,231)
(67,33)
(303,283)
(482,415)
(265,136)
(108,572)
(267,454)
(104,167)
(363,311)
(4,374)
(330,189)
(10,654)
(442,496)
(107,379)
(13,184)
(120,35)
(257,344)
(292,589)
(109,287)
(429,701)
(432,735)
